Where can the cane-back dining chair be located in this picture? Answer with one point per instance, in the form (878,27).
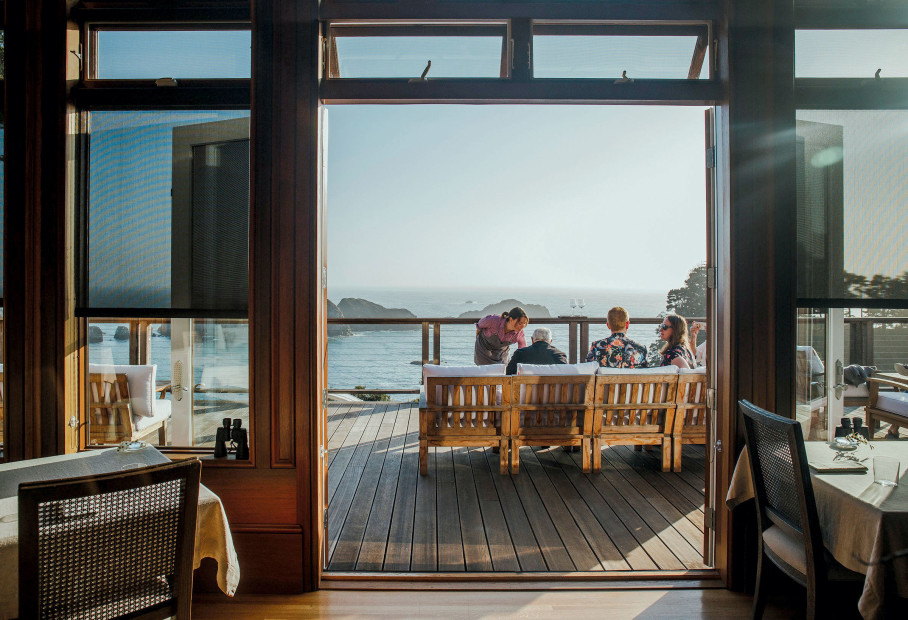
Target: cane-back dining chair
(787,518)
(111,546)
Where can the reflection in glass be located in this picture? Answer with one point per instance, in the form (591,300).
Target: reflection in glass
(642,57)
(146,54)
(810,398)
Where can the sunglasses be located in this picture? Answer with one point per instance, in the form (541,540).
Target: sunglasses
(663,327)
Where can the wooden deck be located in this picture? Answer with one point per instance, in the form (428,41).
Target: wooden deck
(465,516)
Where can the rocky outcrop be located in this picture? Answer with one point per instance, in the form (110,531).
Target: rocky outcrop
(533,310)
(95,335)
(353,307)
(122,333)
(337,330)
(164,330)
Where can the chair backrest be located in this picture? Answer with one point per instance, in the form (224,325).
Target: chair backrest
(109,546)
(109,408)
(782,486)
(640,402)
(468,402)
(691,400)
(556,401)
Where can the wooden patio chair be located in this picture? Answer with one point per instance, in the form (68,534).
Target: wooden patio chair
(787,521)
(690,413)
(465,411)
(111,418)
(552,410)
(113,546)
(634,409)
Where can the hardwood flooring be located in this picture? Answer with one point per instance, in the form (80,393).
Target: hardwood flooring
(465,517)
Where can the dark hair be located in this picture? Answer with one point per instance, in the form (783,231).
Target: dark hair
(679,331)
(515,313)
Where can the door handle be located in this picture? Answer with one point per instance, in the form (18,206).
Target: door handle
(178,388)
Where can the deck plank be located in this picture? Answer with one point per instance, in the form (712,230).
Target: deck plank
(498,535)
(682,496)
(350,538)
(529,554)
(424,557)
(583,557)
(450,541)
(475,546)
(400,534)
(375,539)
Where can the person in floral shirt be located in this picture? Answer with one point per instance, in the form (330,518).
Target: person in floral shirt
(618,351)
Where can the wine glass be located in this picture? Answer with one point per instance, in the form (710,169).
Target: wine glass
(581,302)
(573,305)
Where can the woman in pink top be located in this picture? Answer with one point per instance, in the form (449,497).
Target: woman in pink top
(495,334)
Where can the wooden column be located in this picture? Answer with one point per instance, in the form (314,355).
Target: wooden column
(38,308)
(756,234)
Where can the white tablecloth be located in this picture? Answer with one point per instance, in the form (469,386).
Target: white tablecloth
(212,539)
(862,522)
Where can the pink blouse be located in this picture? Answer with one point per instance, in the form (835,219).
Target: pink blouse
(495,324)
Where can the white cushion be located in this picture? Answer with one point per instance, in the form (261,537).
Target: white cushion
(437,370)
(547,370)
(162,411)
(893,402)
(787,547)
(141,382)
(691,371)
(857,391)
(657,370)
(816,364)
(216,378)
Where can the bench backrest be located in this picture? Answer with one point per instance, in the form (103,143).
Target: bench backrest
(467,402)
(635,403)
(563,402)
(690,417)
(109,409)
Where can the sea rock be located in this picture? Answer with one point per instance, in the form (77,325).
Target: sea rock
(95,334)
(164,330)
(353,307)
(122,333)
(505,305)
(337,330)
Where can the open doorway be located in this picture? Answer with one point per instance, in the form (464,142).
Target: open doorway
(439,215)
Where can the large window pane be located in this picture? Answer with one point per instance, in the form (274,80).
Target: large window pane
(146,54)
(851,53)
(408,56)
(852,174)
(168,211)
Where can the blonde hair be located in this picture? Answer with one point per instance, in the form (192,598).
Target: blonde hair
(679,332)
(617,318)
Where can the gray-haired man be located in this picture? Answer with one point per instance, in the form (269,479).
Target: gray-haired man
(540,352)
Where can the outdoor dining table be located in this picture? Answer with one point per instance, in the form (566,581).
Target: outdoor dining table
(864,525)
(212,538)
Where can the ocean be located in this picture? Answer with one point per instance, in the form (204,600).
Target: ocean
(391,359)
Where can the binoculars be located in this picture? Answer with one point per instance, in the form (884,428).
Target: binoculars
(232,431)
(852,425)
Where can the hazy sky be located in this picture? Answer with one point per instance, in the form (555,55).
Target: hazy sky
(530,196)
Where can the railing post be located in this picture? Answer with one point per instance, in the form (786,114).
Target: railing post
(584,340)
(867,351)
(425,342)
(572,342)
(436,343)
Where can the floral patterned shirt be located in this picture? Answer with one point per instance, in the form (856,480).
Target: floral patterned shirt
(679,350)
(618,351)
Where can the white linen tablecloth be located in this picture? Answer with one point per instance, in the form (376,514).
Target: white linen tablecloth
(212,538)
(863,523)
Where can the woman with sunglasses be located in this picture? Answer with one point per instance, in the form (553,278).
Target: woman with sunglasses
(677,349)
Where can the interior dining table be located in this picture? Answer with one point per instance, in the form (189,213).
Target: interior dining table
(864,524)
(212,539)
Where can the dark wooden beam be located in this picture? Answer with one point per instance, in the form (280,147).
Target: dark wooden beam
(160,14)
(871,15)
(640,92)
(851,93)
(144,95)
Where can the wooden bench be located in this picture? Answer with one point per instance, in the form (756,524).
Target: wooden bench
(591,411)
(110,412)
(875,411)
(551,411)
(465,411)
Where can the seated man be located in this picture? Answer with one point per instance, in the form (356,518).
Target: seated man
(618,351)
(540,352)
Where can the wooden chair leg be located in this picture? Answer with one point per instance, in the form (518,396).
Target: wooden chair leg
(676,454)
(666,454)
(515,456)
(638,448)
(503,457)
(162,434)
(586,447)
(423,457)
(760,589)
(597,455)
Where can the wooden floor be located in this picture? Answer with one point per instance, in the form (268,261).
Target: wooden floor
(465,516)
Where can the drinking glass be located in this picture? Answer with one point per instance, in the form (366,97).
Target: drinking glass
(573,305)
(886,471)
(581,302)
